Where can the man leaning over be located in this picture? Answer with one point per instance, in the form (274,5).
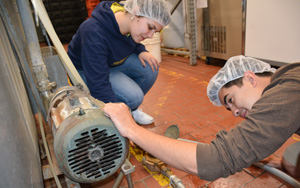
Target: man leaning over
(268,100)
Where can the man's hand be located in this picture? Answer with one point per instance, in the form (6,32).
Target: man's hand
(150,59)
(176,153)
(120,115)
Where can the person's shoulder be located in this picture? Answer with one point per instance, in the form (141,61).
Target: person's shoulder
(290,66)
(289,69)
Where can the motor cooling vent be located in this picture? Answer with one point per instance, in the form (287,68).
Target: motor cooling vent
(95,154)
(88,147)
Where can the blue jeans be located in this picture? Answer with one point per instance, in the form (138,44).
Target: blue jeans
(130,81)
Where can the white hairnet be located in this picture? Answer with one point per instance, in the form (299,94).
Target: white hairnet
(156,10)
(234,68)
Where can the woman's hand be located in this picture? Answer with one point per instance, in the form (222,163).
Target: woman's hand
(150,59)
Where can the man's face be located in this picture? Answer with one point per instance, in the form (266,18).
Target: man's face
(239,100)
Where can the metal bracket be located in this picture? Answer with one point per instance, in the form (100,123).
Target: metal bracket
(127,168)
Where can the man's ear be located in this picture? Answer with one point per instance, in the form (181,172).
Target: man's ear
(251,77)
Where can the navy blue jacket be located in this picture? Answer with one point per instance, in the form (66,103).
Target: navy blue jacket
(98,45)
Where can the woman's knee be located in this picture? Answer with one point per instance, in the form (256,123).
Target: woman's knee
(134,100)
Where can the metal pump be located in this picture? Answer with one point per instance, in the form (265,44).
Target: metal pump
(87,145)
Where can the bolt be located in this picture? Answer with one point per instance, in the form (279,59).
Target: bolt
(79,86)
(81,112)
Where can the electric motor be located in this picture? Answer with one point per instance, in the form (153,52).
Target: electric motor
(87,145)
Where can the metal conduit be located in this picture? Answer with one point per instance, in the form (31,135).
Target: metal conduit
(38,65)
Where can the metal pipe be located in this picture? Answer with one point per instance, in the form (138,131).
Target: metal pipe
(175,51)
(66,61)
(118,180)
(30,33)
(38,65)
(129,180)
(120,175)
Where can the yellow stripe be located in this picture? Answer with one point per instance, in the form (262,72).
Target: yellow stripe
(296,139)
(116,7)
(119,62)
(161,179)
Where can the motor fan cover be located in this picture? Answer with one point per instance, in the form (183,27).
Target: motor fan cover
(88,147)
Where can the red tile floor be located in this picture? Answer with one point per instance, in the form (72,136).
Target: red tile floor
(179,97)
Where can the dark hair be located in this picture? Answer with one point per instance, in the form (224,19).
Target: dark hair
(239,82)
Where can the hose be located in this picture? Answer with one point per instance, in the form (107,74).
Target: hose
(270,169)
(279,174)
(66,61)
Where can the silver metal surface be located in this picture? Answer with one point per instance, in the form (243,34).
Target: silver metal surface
(54,66)
(68,100)
(127,167)
(190,35)
(13,26)
(175,182)
(220,29)
(38,65)
(20,164)
(193,31)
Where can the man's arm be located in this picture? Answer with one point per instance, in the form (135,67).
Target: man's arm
(179,154)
